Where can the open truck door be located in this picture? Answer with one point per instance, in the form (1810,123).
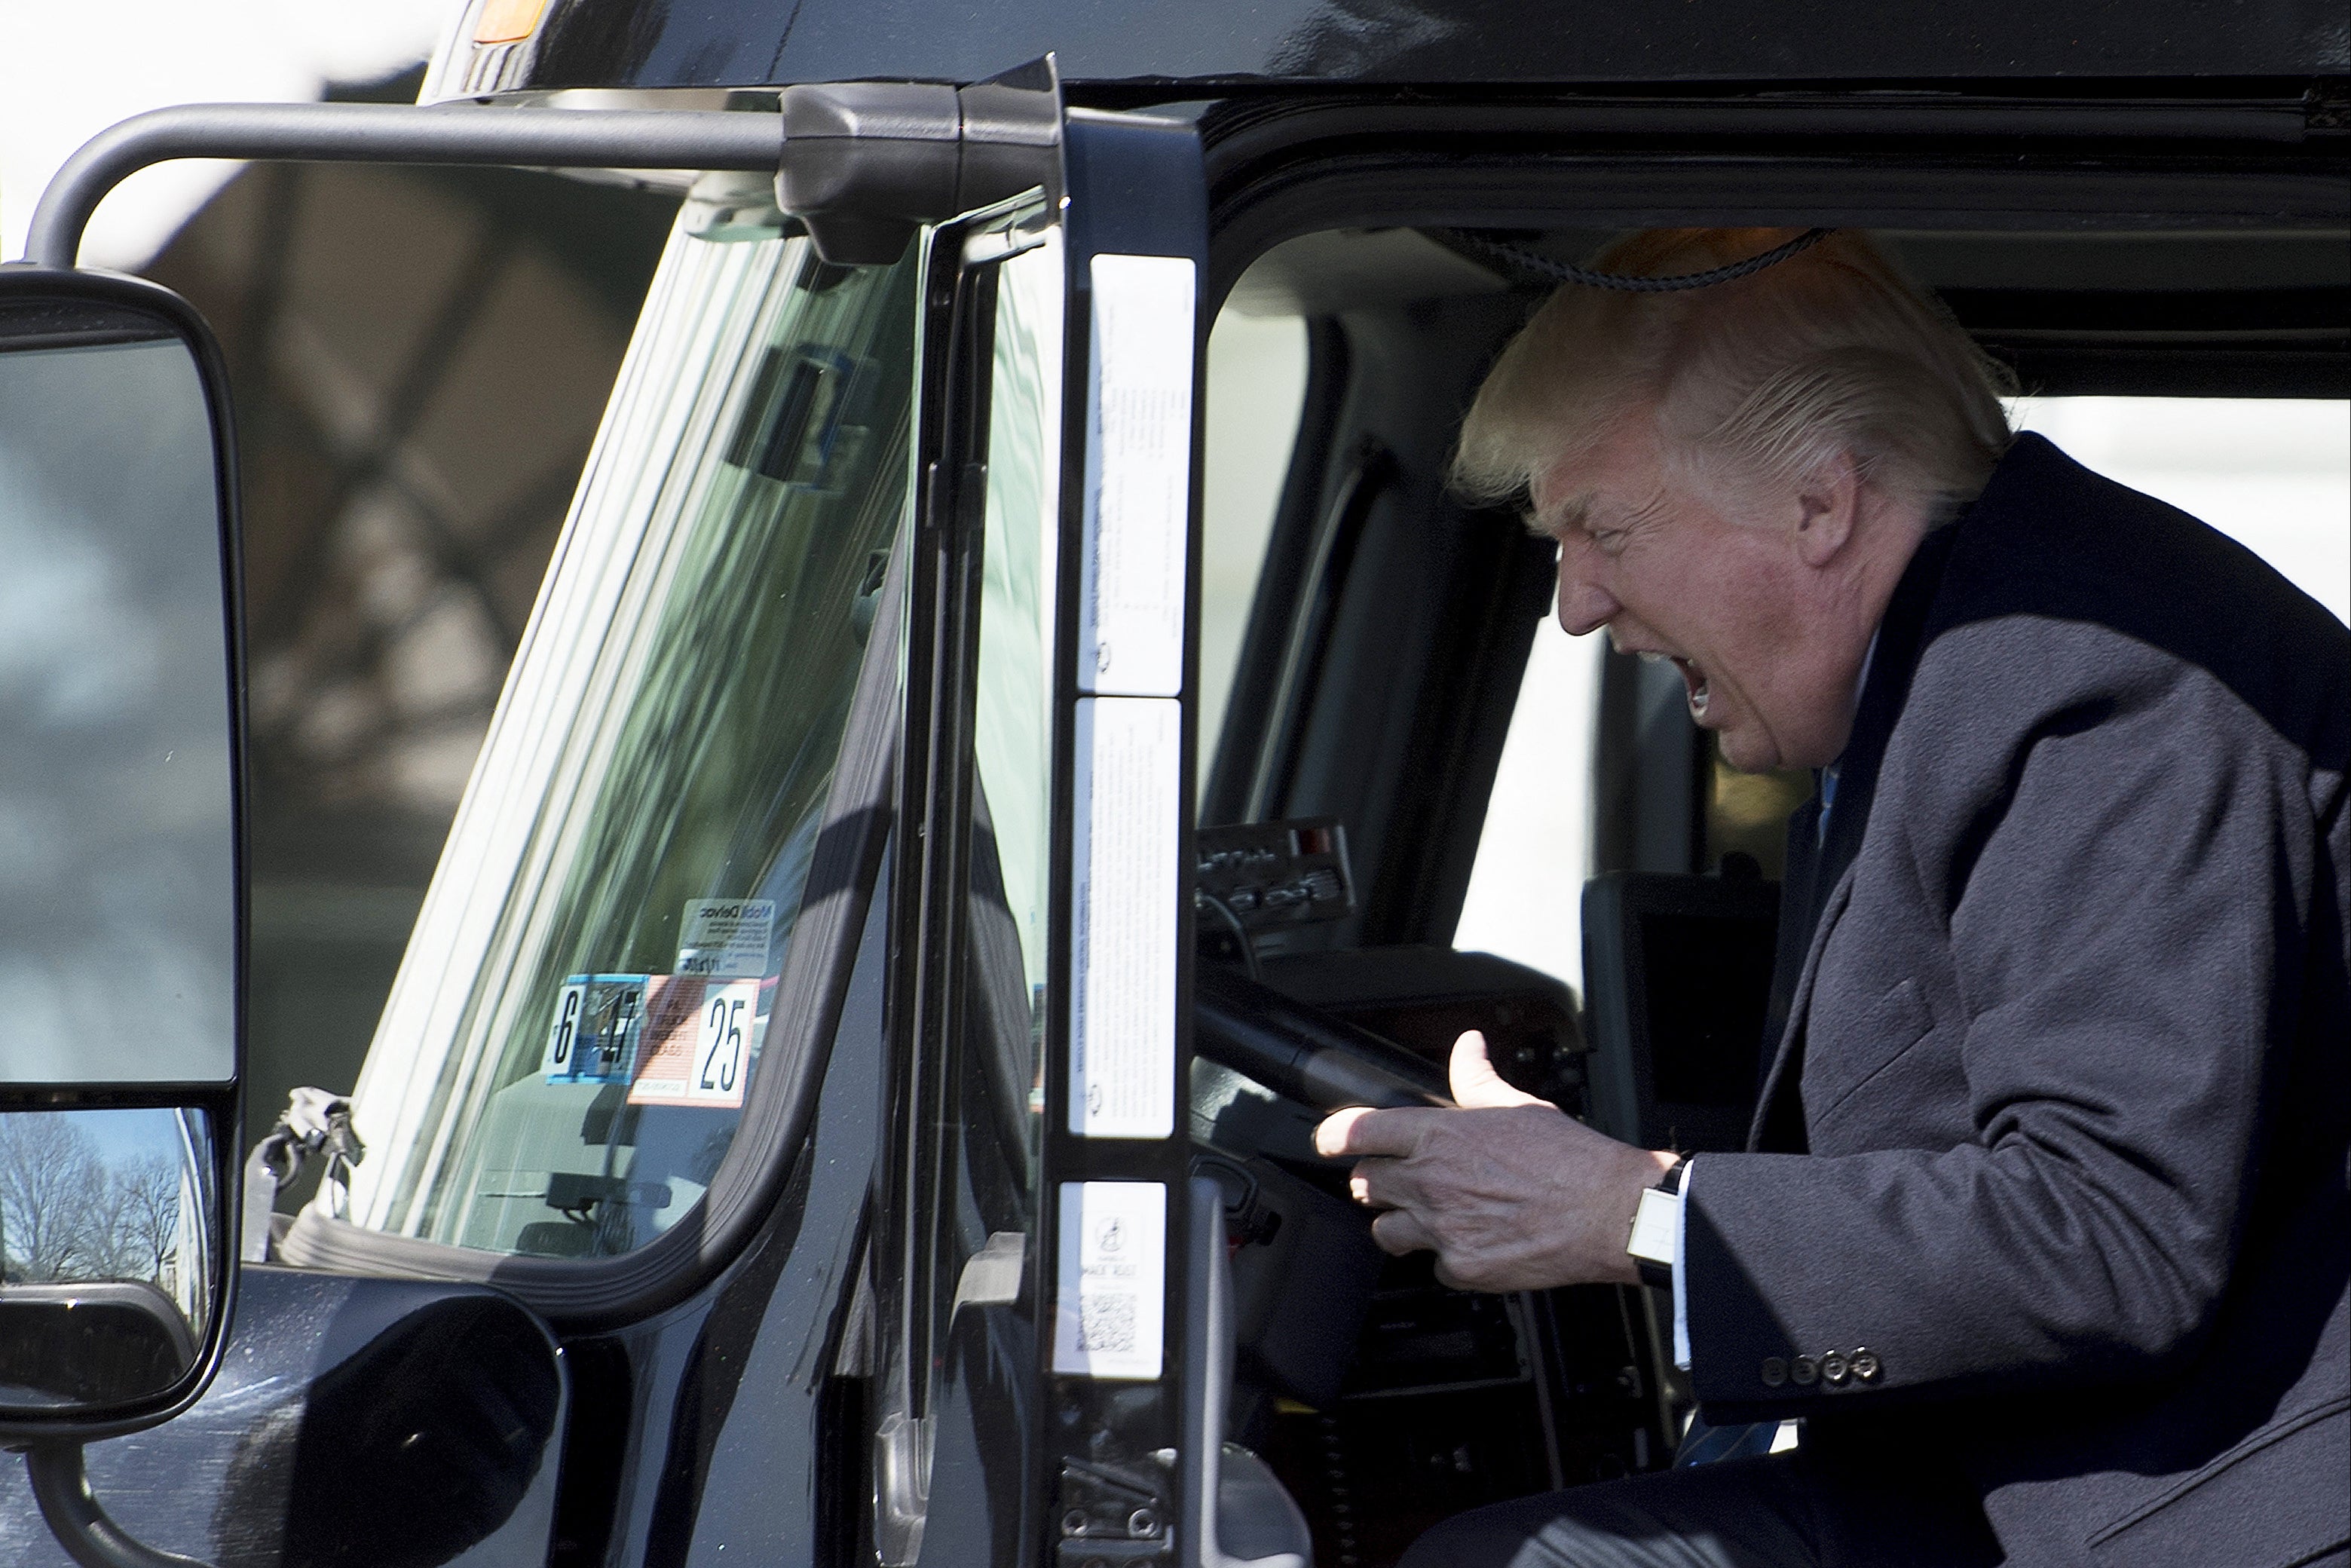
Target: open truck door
(909,1101)
(1031,1311)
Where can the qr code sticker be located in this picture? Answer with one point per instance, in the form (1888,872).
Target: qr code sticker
(1112,1280)
(1106,1324)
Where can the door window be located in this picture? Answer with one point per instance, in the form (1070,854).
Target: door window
(989,1123)
(1257,395)
(1525,900)
(2274,474)
(960,1201)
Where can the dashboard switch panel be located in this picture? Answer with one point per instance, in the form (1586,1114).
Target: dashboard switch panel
(1277,874)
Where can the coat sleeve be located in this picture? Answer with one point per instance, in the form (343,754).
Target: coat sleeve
(2126,908)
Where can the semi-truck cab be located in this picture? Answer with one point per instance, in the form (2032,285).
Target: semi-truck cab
(1006,741)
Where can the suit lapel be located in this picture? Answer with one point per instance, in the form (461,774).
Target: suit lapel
(1798,914)
(1779,1123)
(1819,883)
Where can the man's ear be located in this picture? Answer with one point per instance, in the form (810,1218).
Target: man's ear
(1828,507)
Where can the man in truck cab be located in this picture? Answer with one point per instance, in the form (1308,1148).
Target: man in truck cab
(2042,1228)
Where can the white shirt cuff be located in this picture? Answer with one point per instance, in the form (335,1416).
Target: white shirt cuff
(1681,1275)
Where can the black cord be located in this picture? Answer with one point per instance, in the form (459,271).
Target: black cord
(1531,263)
(1240,932)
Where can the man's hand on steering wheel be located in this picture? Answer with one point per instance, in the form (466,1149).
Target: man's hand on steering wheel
(1510,1193)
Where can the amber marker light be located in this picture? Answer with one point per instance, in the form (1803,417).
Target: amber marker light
(507,21)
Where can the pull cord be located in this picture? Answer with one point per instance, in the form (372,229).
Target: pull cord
(1529,264)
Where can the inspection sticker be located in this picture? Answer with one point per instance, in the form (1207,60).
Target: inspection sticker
(1128,893)
(700,1036)
(1138,477)
(725,936)
(1110,1303)
(597,1026)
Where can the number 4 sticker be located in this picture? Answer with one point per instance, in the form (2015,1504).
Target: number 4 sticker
(702,1034)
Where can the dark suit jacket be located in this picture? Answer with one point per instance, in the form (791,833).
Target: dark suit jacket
(2048,1188)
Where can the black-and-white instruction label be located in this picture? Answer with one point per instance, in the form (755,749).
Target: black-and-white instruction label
(1127,904)
(725,938)
(1111,1297)
(1138,477)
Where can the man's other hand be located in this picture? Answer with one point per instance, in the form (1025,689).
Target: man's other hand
(1510,1193)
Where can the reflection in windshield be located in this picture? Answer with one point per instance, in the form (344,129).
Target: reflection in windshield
(565,1055)
(116,901)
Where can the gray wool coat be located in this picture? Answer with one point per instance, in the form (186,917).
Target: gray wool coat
(2047,1195)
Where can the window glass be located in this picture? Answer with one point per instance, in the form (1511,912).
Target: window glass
(1747,813)
(970,1103)
(994,1107)
(563,1060)
(2274,474)
(1525,900)
(1257,392)
(1012,736)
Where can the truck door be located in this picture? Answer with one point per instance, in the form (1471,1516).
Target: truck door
(1021,1329)
(791,812)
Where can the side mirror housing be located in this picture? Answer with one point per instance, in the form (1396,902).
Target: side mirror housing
(104,1343)
(121,864)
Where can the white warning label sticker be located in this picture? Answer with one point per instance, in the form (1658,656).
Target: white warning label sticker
(725,938)
(1126,905)
(1111,1299)
(1138,477)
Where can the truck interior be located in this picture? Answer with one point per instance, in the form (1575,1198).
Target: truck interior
(1364,638)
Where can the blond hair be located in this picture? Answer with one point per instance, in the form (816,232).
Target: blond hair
(1832,349)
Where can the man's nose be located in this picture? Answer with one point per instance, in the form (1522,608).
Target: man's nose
(1583,605)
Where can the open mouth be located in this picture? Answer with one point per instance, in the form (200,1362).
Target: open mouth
(1693,678)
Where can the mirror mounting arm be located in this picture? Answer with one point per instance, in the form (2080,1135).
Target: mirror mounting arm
(61,1486)
(862,163)
(392,133)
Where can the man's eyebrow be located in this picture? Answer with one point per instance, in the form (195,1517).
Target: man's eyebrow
(1568,514)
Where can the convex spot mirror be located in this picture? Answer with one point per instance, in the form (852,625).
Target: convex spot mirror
(121,950)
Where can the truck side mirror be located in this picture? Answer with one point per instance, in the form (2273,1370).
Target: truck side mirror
(122,895)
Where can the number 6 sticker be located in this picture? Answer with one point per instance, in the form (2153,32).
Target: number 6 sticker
(702,1034)
(595,1030)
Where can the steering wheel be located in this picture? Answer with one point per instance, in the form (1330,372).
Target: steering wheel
(1301,1053)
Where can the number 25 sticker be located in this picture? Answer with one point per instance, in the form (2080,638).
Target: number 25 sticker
(718,1058)
(702,1034)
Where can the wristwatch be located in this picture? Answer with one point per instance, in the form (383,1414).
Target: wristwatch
(1651,1242)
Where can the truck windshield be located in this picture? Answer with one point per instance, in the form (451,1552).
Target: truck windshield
(563,1058)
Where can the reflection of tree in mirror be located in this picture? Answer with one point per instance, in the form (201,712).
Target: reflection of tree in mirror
(149,1228)
(64,1215)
